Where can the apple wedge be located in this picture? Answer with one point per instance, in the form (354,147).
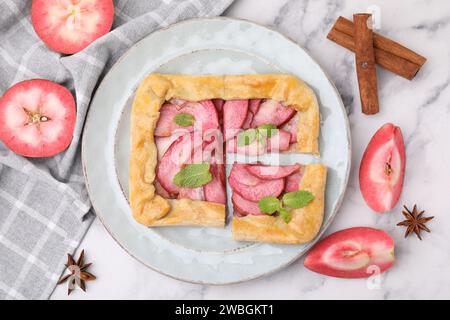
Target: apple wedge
(382,169)
(352,253)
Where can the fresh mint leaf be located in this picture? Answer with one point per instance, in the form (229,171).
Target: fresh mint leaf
(267,130)
(269,205)
(184,119)
(297,199)
(286,215)
(193,176)
(246,137)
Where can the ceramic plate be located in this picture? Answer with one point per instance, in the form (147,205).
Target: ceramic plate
(203,46)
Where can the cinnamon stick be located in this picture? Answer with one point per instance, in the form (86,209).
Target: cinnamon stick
(388,54)
(365,64)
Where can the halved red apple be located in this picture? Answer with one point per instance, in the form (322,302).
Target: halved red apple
(352,253)
(382,169)
(37,118)
(69,26)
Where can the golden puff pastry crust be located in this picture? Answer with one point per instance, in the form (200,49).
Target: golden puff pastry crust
(151,209)
(305,222)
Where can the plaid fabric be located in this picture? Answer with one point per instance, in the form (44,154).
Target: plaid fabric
(44,206)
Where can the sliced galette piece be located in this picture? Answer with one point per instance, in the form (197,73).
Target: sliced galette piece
(277,204)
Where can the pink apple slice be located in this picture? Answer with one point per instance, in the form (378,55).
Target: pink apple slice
(204,113)
(280,141)
(244,176)
(272,112)
(163,143)
(293,181)
(37,118)
(253,105)
(179,103)
(256,148)
(239,178)
(161,191)
(213,147)
(215,190)
(248,121)
(234,115)
(218,104)
(175,158)
(292,128)
(166,124)
(352,253)
(272,172)
(244,206)
(382,169)
(70,26)
(192,193)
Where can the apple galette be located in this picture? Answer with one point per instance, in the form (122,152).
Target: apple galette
(179,127)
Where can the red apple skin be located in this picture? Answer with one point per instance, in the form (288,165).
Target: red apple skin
(382,169)
(352,253)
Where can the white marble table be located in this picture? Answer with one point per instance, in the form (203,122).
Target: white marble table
(421,108)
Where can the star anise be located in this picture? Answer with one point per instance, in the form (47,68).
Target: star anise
(78,274)
(415,222)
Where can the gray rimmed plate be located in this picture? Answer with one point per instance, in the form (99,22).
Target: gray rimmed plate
(203,46)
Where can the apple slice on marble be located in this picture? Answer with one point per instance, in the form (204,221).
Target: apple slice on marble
(382,169)
(352,253)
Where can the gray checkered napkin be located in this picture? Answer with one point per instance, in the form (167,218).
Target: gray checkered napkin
(44,206)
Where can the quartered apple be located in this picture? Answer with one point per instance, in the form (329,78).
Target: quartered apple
(382,169)
(37,118)
(69,26)
(352,253)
